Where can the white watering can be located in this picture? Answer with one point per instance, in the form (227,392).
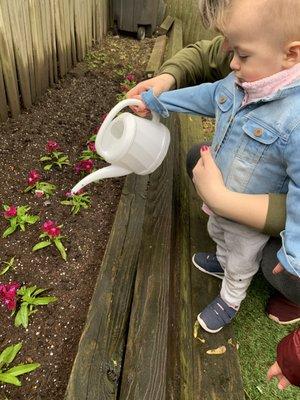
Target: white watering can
(129,143)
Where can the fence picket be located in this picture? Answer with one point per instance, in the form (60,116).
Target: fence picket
(8,62)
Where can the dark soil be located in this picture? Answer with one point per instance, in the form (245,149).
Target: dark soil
(68,114)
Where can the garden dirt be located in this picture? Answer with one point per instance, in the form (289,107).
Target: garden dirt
(68,114)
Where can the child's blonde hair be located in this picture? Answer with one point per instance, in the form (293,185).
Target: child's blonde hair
(282,15)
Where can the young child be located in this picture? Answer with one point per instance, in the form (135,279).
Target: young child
(256,141)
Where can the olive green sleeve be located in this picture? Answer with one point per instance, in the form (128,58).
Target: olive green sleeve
(275,222)
(204,61)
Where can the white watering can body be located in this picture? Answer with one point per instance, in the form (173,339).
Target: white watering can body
(129,143)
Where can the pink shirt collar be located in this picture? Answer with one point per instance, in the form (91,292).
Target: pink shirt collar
(265,87)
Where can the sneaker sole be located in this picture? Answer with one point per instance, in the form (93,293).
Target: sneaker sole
(216,275)
(204,326)
(275,319)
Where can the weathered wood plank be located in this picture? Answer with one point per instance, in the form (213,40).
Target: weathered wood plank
(165,26)
(53,41)
(96,370)
(157,56)
(72,32)
(208,377)
(8,62)
(144,374)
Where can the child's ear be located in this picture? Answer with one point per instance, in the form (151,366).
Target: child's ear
(292,54)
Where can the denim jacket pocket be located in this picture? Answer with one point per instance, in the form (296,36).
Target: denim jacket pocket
(257,141)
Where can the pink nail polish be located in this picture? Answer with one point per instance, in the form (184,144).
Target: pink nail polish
(204,148)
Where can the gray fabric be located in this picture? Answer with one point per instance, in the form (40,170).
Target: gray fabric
(239,251)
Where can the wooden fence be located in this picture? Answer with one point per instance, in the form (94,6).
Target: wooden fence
(188,12)
(40,40)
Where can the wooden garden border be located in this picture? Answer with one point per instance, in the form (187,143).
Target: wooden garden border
(138,341)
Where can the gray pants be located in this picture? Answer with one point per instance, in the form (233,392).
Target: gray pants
(239,251)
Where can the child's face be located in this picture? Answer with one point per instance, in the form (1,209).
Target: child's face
(256,52)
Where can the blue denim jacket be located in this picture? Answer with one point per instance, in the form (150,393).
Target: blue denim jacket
(256,146)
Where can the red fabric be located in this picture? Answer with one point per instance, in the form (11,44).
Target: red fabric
(288,357)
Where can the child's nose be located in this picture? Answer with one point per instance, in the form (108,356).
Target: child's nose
(235,65)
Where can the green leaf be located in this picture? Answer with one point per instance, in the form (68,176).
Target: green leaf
(32,219)
(43,301)
(41,245)
(8,265)
(9,231)
(61,249)
(22,369)
(6,378)
(8,354)
(45,158)
(48,167)
(22,316)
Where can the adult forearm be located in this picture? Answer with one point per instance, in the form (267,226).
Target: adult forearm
(246,209)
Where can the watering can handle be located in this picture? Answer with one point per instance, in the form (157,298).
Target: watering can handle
(122,104)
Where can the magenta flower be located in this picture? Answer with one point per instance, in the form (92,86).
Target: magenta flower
(51,228)
(33,177)
(10,212)
(103,116)
(8,294)
(84,166)
(130,78)
(91,146)
(52,146)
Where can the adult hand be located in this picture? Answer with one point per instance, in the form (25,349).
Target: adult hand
(278,269)
(159,84)
(208,179)
(275,372)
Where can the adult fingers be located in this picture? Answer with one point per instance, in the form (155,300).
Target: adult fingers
(278,269)
(283,383)
(273,371)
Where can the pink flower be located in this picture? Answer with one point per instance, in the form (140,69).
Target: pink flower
(52,146)
(33,177)
(91,146)
(8,294)
(84,166)
(10,212)
(51,228)
(130,78)
(96,129)
(39,193)
(103,116)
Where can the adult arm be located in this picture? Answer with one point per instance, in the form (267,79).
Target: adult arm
(260,211)
(204,61)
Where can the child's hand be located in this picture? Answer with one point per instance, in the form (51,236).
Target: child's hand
(278,269)
(159,84)
(275,372)
(208,179)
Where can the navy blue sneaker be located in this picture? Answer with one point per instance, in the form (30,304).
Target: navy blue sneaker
(216,315)
(208,263)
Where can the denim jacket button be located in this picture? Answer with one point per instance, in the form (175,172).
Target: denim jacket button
(258,132)
(222,99)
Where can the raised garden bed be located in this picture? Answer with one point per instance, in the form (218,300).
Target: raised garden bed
(68,114)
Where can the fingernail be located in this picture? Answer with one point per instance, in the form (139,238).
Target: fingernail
(204,148)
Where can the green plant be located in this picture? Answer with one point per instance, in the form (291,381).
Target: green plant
(17,217)
(95,59)
(9,375)
(30,300)
(77,202)
(51,231)
(7,266)
(54,158)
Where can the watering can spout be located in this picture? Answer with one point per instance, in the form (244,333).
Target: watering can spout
(112,171)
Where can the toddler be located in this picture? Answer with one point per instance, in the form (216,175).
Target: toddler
(257,138)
